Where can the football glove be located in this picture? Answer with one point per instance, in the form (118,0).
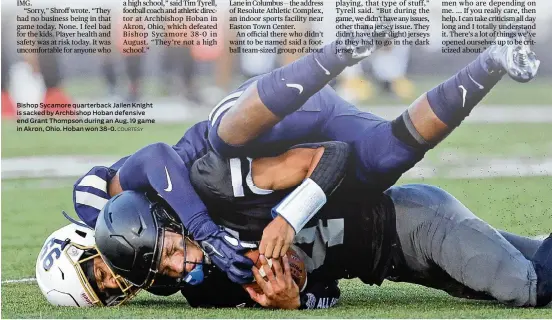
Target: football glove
(226,252)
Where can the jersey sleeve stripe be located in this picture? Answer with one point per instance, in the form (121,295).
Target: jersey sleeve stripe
(227,99)
(90,200)
(251,184)
(235,173)
(221,110)
(94,182)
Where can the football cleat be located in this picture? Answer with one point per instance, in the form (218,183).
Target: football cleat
(542,261)
(518,60)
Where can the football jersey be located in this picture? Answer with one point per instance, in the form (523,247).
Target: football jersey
(351,236)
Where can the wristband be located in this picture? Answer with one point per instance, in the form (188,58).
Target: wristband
(301,205)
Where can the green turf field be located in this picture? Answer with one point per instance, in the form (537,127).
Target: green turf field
(31,210)
(521,206)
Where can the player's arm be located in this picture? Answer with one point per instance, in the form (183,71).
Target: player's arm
(92,191)
(160,168)
(287,170)
(149,168)
(315,169)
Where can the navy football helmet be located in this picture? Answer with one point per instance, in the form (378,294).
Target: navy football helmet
(129,235)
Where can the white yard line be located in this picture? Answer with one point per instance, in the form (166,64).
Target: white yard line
(24,280)
(491,168)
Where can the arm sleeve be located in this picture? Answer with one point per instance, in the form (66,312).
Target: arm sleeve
(90,192)
(158,167)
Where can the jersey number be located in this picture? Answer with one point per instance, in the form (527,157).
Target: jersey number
(50,253)
(321,236)
(237,179)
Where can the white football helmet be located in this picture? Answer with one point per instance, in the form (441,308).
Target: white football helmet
(65,271)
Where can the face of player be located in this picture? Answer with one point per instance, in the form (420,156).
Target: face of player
(104,278)
(172,257)
(172,261)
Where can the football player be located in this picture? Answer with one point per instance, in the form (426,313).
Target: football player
(70,271)
(413,233)
(293,104)
(278,173)
(382,150)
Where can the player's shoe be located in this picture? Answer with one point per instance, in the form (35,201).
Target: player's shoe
(519,61)
(542,260)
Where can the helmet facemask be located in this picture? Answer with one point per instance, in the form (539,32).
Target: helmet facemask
(85,269)
(109,297)
(166,220)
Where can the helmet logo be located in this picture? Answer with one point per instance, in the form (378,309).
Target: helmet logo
(73,252)
(209,249)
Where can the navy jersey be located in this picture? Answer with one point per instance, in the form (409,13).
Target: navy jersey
(353,235)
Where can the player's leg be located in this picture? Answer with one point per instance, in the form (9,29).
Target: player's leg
(436,113)
(282,92)
(527,246)
(385,150)
(274,96)
(440,236)
(437,278)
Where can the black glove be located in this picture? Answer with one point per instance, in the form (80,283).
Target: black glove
(226,252)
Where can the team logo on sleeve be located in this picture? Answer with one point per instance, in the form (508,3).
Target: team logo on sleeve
(169,182)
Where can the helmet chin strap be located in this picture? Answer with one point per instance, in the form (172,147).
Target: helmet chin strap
(78,223)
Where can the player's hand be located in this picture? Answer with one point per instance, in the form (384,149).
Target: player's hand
(226,252)
(279,291)
(277,237)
